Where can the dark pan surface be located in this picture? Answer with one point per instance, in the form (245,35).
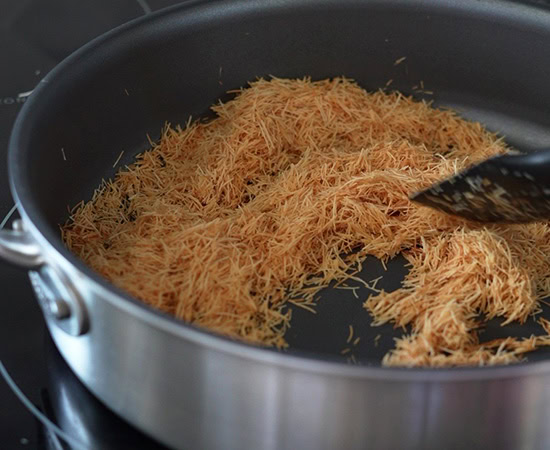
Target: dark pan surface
(326,332)
(488,62)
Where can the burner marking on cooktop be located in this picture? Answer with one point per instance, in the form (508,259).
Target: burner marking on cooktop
(9,100)
(10,213)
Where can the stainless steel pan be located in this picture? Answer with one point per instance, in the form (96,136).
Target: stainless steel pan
(192,389)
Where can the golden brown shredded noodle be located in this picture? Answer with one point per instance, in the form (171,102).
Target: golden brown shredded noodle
(222,223)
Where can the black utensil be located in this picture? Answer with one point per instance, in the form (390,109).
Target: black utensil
(512,188)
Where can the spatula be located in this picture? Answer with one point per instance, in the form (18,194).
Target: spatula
(511,188)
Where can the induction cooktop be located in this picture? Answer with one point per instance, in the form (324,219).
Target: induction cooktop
(42,404)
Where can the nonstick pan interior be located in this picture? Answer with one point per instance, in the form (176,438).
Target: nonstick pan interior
(486,59)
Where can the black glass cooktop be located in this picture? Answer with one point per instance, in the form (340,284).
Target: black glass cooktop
(42,404)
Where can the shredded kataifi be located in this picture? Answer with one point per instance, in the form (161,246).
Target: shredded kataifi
(288,188)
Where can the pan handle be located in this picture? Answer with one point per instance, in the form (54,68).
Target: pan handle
(57,295)
(19,248)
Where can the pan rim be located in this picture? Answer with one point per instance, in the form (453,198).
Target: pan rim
(53,246)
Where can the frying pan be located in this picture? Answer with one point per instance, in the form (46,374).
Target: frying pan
(189,388)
